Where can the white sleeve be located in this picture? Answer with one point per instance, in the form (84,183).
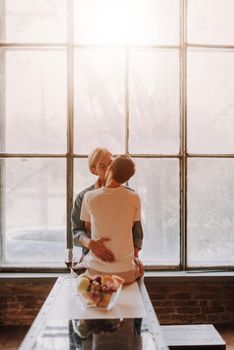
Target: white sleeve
(85,209)
(137,216)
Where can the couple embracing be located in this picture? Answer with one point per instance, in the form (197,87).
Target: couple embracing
(106,219)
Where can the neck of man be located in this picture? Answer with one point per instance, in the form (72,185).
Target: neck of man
(111,183)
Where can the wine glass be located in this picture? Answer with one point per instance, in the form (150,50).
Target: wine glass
(70,261)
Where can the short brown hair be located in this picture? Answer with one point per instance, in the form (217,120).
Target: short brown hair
(123,168)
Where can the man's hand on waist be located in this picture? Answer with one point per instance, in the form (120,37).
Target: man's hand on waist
(99,249)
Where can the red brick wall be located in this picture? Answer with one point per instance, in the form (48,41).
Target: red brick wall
(21,301)
(175,301)
(203,301)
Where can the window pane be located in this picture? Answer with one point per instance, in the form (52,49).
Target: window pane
(82,176)
(210,101)
(210,212)
(100,22)
(211,22)
(35,101)
(120,22)
(157,183)
(30,21)
(154,22)
(154,100)
(35,210)
(99,109)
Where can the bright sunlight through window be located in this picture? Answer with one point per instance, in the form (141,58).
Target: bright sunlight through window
(121,22)
(153,78)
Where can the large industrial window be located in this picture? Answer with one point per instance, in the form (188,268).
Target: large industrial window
(152,78)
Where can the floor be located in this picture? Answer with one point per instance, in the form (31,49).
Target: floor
(227,333)
(11,336)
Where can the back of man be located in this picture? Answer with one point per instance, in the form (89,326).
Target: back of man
(112,213)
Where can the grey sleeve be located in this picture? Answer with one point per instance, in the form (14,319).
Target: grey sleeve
(78,226)
(137,234)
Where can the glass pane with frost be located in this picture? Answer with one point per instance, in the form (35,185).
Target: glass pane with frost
(210,104)
(210,22)
(157,183)
(210,212)
(30,21)
(35,96)
(154,101)
(99,100)
(35,210)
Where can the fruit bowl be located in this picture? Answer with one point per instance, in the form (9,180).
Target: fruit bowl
(105,302)
(99,292)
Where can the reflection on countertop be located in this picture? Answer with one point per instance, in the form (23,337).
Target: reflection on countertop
(104,334)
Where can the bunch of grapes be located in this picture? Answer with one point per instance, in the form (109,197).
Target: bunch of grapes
(97,288)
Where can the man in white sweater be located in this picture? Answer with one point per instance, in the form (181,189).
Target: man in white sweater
(110,212)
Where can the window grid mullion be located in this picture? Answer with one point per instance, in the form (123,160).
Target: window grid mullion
(183,136)
(70,109)
(2,132)
(127,101)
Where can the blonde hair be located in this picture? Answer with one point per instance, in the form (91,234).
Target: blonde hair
(94,157)
(123,168)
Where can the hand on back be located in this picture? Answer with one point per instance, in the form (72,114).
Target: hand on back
(99,249)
